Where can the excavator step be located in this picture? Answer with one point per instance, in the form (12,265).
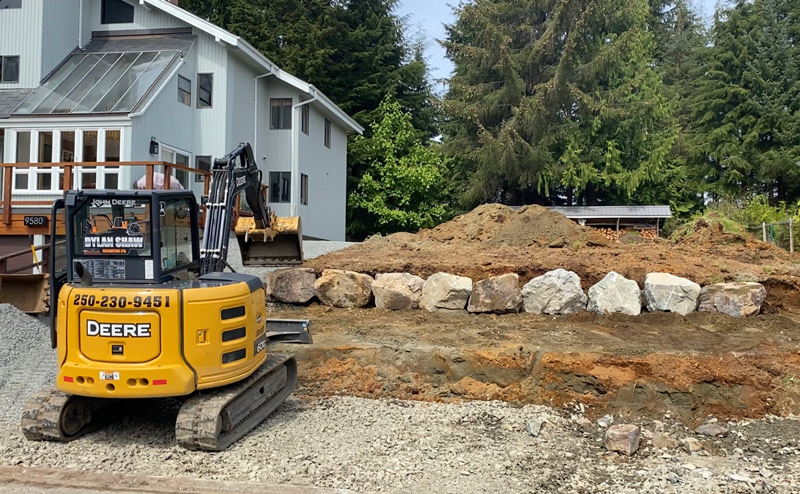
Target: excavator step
(289,331)
(214,419)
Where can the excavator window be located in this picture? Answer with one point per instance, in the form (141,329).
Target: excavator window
(176,233)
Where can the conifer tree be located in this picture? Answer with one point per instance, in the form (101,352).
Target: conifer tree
(558,101)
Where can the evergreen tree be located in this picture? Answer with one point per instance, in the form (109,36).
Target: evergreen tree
(557,101)
(745,125)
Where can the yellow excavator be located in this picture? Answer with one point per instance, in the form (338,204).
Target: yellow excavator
(146,310)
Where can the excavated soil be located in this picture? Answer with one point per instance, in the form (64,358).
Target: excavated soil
(645,365)
(651,364)
(493,239)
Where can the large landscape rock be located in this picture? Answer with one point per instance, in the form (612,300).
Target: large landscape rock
(670,293)
(555,292)
(397,291)
(498,294)
(344,289)
(444,292)
(291,285)
(738,299)
(615,293)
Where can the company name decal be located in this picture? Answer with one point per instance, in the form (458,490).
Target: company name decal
(109,330)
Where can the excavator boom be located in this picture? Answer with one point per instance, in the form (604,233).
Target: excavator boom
(264,239)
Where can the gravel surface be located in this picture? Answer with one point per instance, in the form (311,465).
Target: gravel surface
(402,446)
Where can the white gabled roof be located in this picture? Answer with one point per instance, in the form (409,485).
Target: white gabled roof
(246,48)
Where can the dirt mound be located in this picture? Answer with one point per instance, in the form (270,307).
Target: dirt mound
(496,225)
(713,229)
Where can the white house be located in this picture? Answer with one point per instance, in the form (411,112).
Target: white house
(139,80)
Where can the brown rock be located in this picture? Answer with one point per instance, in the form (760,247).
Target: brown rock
(397,291)
(291,285)
(623,438)
(738,299)
(663,441)
(498,294)
(346,289)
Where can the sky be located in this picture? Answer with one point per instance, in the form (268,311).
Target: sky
(428,17)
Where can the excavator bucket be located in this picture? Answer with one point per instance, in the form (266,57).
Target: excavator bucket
(279,245)
(26,292)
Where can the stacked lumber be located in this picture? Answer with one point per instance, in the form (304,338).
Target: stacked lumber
(613,235)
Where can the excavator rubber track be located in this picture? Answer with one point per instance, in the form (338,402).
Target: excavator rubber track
(52,415)
(214,419)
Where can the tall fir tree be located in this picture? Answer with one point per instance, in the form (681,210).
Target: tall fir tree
(745,125)
(558,101)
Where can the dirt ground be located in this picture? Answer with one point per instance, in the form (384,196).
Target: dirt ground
(493,240)
(648,365)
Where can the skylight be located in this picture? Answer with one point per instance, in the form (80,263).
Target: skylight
(99,83)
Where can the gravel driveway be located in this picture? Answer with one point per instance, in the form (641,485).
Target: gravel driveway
(401,446)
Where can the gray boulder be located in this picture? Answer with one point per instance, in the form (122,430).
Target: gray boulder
(498,294)
(670,293)
(738,299)
(615,293)
(397,291)
(346,289)
(291,285)
(555,292)
(445,292)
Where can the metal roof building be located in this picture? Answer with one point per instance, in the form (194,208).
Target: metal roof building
(638,217)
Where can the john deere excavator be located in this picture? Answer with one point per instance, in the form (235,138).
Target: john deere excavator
(146,311)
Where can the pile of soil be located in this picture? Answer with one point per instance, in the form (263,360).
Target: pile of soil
(496,224)
(493,240)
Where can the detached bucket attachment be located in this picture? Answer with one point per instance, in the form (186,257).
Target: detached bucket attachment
(26,292)
(279,245)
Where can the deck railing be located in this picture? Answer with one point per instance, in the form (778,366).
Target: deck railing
(8,202)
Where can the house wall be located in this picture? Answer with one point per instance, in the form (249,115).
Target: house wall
(21,35)
(143,18)
(170,122)
(276,145)
(324,216)
(60,21)
(210,123)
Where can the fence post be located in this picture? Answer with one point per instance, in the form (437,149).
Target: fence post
(764,231)
(791,236)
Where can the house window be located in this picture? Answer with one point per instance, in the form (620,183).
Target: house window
(10,4)
(9,69)
(202,163)
(171,156)
(280,183)
(327,133)
(304,119)
(205,83)
(115,12)
(304,189)
(184,90)
(280,113)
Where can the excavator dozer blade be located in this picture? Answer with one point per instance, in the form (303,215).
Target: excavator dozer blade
(280,245)
(26,292)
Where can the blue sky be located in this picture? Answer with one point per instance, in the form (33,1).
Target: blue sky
(428,17)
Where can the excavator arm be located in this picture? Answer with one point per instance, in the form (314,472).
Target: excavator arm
(264,239)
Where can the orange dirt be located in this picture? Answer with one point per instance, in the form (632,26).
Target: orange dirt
(649,364)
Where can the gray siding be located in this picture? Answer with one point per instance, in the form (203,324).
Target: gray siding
(143,18)
(324,216)
(210,123)
(60,22)
(21,35)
